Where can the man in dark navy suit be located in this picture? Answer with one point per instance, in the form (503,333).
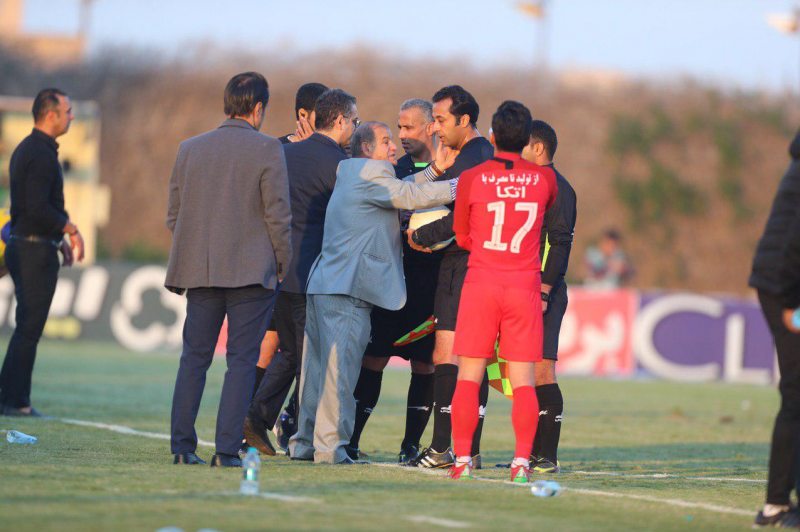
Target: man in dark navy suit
(312,165)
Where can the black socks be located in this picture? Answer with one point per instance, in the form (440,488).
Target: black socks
(420,402)
(551,409)
(367,392)
(444,386)
(483,398)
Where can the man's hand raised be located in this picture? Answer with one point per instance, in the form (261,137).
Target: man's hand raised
(304,130)
(445,157)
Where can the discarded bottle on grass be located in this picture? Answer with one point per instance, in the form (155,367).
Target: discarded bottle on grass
(15,436)
(250,468)
(546,488)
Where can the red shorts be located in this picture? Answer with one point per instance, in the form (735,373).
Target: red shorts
(488,310)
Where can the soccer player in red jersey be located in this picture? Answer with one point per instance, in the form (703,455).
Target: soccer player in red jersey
(500,207)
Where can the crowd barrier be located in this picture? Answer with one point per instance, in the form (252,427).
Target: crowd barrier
(617,334)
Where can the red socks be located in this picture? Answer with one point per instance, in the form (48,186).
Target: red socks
(524,417)
(464,416)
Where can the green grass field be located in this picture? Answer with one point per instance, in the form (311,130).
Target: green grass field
(80,478)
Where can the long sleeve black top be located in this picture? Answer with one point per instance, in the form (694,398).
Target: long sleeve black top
(476,151)
(558,231)
(37,188)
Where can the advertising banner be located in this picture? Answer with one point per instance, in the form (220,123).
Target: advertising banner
(616,333)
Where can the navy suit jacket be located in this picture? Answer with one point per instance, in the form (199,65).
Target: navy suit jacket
(312,165)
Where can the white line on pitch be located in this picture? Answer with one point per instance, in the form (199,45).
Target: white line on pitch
(666,475)
(617,495)
(127,430)
(437,521)
(276,497)
(673,502)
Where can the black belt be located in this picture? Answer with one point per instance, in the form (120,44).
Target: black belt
(37,239)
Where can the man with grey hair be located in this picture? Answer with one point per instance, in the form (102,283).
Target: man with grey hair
(360,266)
(406,332)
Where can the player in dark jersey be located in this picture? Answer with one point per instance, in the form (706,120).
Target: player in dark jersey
(397,333)
(556,244)
(455,114)
(304,103)
(500,209)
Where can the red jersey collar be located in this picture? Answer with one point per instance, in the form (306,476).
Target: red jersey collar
(508,155)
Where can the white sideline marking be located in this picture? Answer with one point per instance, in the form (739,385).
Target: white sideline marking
(672,502)
(667,475)
(437,521)
(127,430)
(617,495)
(276,497)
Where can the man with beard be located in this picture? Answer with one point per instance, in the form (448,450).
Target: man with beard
(415,123)
(455,114)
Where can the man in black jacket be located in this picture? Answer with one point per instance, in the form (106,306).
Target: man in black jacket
(38,225)
(305,103)
(455,114)
(776,277)
(557,233)
(312,165)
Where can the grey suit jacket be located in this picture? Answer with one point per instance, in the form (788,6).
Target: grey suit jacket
(229,210)
(362,253)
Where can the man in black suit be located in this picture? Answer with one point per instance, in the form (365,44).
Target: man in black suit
(312,165)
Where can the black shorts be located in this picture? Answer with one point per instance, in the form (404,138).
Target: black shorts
(448,292)
(553,318)
(388,326)
(272,327)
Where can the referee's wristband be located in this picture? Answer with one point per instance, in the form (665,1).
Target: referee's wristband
(545,297)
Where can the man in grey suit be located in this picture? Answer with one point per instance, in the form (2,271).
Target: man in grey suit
(231,244)
(360,266)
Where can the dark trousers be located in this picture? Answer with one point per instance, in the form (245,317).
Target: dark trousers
(249,310)
(786,434)
(34,269)
(285,365)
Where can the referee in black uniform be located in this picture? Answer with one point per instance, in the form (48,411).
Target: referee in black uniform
(557,234)
(38,225)
(455,113)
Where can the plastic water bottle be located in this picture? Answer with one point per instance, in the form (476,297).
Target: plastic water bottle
(546,488)
(251,465)
(15,436)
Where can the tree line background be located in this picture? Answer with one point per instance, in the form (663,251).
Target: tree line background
(685,170)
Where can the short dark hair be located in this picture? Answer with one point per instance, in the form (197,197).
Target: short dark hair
(244,92)
(612,234)
(331,104)
(544,133)
(463,102)
(512,125)
(307,97)
(365,134)
(45,101)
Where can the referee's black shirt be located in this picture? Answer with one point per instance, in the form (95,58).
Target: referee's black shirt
(558,230)
(37,188)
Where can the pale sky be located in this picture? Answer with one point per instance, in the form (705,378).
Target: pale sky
(725,41)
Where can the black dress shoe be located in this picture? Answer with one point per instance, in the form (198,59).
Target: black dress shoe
(255,432)
(16,412)
(188,459)
(225,460)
